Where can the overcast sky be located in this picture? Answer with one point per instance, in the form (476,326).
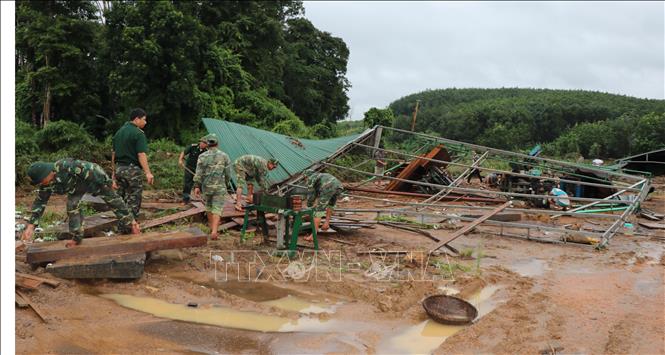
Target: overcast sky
(400,48)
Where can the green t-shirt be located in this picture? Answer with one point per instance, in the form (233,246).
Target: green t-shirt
(128,142)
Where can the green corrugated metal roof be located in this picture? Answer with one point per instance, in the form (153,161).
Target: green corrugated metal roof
(237,140)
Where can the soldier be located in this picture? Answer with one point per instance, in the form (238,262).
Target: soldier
(213,173)
(248,168)
(192,152)
(475,172)
(324,189)
(75,178)
(130,148)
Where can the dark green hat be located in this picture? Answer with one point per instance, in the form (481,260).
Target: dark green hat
(274,161)
(39,171)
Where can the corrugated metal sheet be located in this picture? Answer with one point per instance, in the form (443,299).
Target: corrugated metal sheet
(237,140)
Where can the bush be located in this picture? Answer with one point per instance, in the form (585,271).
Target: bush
(292,127)
(60,135)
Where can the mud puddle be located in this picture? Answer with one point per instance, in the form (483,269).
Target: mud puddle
(292,303)
(222,316)
(428,335)
(530,267)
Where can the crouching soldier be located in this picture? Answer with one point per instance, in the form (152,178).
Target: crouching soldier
(75,178)
(252,168)
(323,190)
(213,173)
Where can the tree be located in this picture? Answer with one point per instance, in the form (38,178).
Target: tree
(376,116)
(315,84)
(56,48)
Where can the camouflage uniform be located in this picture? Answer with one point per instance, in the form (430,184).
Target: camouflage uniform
(213,172)
(192,152)
(324,189)
(128,142)
(75,178)
(251,167)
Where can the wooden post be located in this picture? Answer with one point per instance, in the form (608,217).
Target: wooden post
(415,113)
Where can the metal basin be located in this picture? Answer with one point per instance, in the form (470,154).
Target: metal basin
(449,310)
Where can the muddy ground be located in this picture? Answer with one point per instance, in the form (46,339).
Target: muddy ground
(532,297)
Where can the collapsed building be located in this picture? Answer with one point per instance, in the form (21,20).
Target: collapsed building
(433,172)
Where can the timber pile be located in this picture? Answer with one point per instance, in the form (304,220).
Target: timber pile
(110,257)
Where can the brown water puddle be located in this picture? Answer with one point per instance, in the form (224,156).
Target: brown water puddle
(295,304)
(529,267)
(220,316)
(426,336)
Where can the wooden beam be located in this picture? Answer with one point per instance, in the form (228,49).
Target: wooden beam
(124,244)
(91,224)
(198,208)
(128,266)
(412,167)
(469,227)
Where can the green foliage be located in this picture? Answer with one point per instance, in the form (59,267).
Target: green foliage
(292,127)
(345,128)
(520,118)
(376,116)
(315,84)
(163,159)
(248,62)
(612,138)
(63,135)
(25,139)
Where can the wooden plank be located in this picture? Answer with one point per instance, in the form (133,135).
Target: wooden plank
(411,168)
(124,244)
(25,301)
(173,217)
(228,225)
(20,301)
(91,224)
(105,267)
(469,227)
(652,225)
(50,282)
(26,283)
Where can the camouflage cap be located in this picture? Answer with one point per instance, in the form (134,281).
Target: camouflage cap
(39,171)
(308,173)
(211,139)
(274,161)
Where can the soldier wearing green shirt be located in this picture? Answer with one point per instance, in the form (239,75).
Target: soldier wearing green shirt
(192,152)
(74,178)
(323,191)
(129,160)
(252,168)
(213,174)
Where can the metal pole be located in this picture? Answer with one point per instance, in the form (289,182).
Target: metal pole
(470,219)
(506,152)
(473,207)
(443,193)
(461,189)
(501,171)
